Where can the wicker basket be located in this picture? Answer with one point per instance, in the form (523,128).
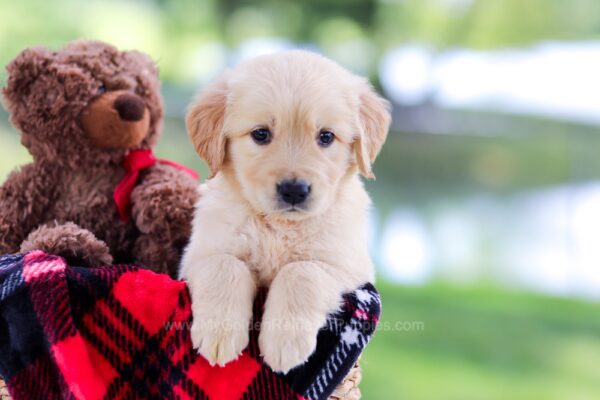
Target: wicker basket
(348,389)
(3,391)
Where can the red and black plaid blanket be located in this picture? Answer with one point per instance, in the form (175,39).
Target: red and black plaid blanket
(121,332)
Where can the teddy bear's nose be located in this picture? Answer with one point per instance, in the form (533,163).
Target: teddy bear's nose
(130,107)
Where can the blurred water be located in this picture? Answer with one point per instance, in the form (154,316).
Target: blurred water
(544,240)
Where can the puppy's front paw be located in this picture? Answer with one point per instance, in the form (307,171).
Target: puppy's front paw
(288,344)
(222,292)
(219,341)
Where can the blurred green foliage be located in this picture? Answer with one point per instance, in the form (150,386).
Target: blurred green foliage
(459,165)
(181,34)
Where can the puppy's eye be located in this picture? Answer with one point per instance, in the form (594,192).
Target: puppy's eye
(325,138)
(102,88)
(261,136)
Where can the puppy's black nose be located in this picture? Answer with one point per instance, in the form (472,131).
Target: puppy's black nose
(130,107)
(293,191)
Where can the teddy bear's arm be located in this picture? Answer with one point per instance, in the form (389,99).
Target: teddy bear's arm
(25,198)
(164,200)
(162,209)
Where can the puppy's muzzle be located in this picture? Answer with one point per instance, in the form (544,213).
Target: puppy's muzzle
(293,191)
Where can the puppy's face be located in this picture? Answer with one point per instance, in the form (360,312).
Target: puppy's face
(289,129)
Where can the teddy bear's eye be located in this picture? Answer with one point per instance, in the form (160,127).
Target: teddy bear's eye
(102,88)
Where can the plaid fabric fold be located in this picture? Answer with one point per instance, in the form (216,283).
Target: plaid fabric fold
(122,332)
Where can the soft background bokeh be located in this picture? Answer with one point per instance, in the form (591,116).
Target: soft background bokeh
(486,228)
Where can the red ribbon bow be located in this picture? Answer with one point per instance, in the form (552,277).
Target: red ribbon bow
(134,162)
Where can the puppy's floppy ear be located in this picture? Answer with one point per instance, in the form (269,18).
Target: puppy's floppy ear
(204,123)
(374,119)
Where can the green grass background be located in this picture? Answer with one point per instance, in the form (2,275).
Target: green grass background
(483,343)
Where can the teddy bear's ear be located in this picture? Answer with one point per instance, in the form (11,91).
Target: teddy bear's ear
(374,119)
(204,122)
(145,59)
(23,71)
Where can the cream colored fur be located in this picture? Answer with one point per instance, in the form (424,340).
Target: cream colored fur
(242,239)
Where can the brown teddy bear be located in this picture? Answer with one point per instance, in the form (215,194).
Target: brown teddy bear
(94,194)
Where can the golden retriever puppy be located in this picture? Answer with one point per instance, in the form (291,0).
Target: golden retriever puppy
(285,137)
